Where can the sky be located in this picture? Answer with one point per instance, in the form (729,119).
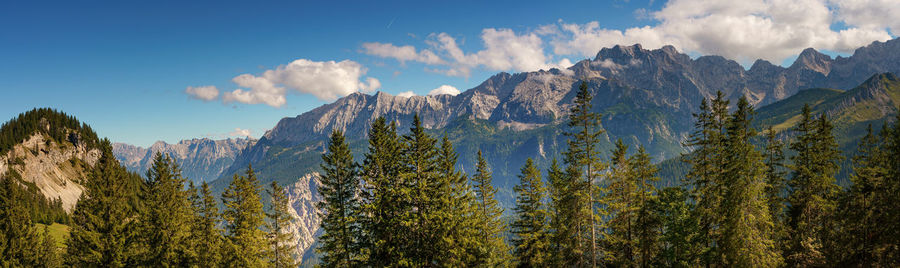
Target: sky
(143,71)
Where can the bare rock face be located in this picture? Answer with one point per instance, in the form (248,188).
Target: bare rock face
(303,196)
(199,159)
(56,169)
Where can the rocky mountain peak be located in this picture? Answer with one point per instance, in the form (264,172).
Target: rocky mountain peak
(813,60)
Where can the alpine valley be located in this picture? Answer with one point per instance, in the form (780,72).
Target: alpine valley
(645,96)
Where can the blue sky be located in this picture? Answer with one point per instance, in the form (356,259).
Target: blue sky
(124,66)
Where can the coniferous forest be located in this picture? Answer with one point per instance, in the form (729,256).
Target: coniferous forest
(751,198)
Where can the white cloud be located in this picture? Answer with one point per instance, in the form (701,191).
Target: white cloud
(444,89)
(743,30)
(406,94)
(401,53)
(206,93)
(239,132)
(746,30)
(327,80)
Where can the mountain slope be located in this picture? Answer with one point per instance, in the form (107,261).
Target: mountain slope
(199,159)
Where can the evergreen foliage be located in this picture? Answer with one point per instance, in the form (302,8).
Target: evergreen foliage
(339,211)
(245,241)
(530,227)
(206,236)
(279,218)
(167,216)
(492,249)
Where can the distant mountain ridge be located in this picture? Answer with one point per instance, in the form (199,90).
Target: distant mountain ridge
(199,159)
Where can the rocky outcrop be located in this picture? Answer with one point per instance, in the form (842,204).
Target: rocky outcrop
(199,159)
(56,169)
(303,196)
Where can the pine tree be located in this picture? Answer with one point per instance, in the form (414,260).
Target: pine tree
(647,222)
(279,236)
(167,218)
(704,178)
(746,229)
(381,198)
(584,165)
(206,236)
(244,240)
(493,250)
(530,227)
(104,229)
(775,187)
(338,211)
(621,201)
(813,188)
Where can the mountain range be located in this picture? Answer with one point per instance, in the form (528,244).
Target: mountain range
(199,159)
(646,97)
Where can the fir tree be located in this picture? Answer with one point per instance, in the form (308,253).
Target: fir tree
(492,250)
(530,227)
(584,165)
(279,218)
(888,196)
(338,211)
(244,240)
(813,188)
(746,229)
(167,218)
(381,198)
(47,253)
(560,231)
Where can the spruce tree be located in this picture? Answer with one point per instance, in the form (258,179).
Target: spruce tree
(103,232)
(775,186)
(746,228)
(705,176)
(245,241)
(856,217)
(206,235)
(888,196)
(381,198)
(492,250)
(167,217)
(560,231)
(621,201)
(647,222)
(585,166)
(339,209)
(279,236)
(47,252)
(19,241)
(530,227)
(458,242)
(813,188)
(680,245)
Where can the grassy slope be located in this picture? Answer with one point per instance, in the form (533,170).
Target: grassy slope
(58,231)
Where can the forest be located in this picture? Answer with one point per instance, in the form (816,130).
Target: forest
(750,199)
(741,204)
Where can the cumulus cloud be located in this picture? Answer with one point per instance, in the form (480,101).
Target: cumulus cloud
(444,89)
(327,80)
(744,30)
(406,94)
(239,132)
(401,53)
(747,30)
(205,93)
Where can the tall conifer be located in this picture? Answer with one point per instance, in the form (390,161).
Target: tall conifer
(338,211)
(280,237)
(530,227)
(245,240)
